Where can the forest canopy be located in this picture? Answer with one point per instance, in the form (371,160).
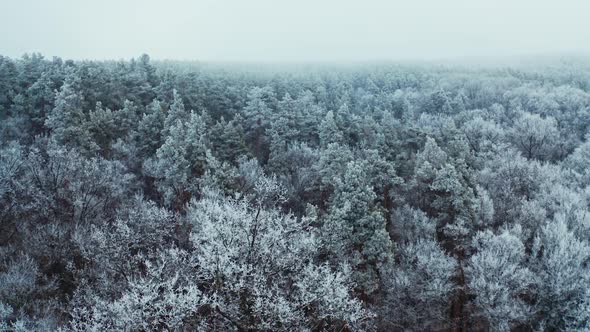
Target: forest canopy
(173,196)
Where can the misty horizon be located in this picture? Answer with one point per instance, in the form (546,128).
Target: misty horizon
(510,60)
(265,31)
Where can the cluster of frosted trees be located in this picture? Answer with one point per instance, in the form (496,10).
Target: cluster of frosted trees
(165,196)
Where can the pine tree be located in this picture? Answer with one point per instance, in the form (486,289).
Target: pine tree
(329,131)
(102,126)
(258,114)
(149,130)
(42,97)
(442,187)
(67,121)
(175,113)
(355,230)
(180,162)
(228,140)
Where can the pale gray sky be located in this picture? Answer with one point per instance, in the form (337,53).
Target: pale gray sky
(293,30)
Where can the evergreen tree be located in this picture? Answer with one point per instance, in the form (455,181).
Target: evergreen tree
(355,230)
(148,136)
(180,162)
(329,131)
(175,113)
(257,118)
(227,140)
(67,120)
(42,97)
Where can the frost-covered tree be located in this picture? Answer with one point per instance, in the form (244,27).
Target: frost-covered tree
(25,296)
(354,230)
(12,168)
(148,136)
(299,176)
(65,187)
(534,136)
(67,120)
(418,288)
(579,163)
(332,164)
(164,297)
(257,115)
(8,82)
(259,269)
(329,131)
(103,128)
(42,97)
(484,136)
(228,139)
(560,260)
(442,187)
(180,161)
(176,113)
(421,267)
(500,282)
(510,180)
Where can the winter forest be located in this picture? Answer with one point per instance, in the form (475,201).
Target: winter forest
(184,196)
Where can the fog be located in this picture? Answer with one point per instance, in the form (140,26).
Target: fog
(303,30)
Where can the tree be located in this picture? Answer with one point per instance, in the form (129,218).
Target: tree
(438,102)
(510,180)
(64,187)
(257,118)
(22,292)
(163,297)
(329,131)
(175,113)
(418,288)
(118,250)
(579,163)
(147,69)
(408,225)
(354,230)
(499,281)
(67,120)
(255,262)
(180,162)
(127,119)
(101,124)
(560,260)
(310,113)
(534,136)
(228,140)
(12,183)
(442,187)
(297,172)
(18,125)
(8,85)
(283,132)
(148,136)
(483,136)
(332,164)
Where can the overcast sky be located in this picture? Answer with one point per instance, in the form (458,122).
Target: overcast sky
(293,30)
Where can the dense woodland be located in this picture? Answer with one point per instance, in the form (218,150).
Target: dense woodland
(184,196)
